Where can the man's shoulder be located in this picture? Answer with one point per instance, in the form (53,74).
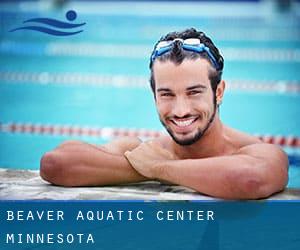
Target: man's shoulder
(251,145)
(165,141)
(241,139)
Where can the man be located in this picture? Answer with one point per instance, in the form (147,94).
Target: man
(200,151)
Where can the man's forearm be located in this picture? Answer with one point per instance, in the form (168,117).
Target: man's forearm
(86,165)
(230,177)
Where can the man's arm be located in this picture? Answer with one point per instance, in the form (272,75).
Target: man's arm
(76,163)
(256,171)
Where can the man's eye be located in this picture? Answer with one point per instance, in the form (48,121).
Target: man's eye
(166,94)
(194,92)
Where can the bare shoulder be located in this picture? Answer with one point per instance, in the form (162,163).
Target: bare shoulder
(253,146)
(121,145)
(239,138)
(265,151)
(165,142)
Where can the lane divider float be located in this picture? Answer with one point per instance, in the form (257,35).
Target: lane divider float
(109,132)
(121,81)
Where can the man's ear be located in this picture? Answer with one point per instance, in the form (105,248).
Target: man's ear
(220,92)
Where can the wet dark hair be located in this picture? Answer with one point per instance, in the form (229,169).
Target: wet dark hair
(177,55)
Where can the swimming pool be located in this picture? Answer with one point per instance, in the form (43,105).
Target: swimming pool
(93,85)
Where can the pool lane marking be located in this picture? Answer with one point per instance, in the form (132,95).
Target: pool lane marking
(120,81)
(140,51)
(108,132)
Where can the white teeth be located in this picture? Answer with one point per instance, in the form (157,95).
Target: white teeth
(184,123)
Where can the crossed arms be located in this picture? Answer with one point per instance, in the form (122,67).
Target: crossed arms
(256,171)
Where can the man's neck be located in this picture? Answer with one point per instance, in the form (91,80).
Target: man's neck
(212,143)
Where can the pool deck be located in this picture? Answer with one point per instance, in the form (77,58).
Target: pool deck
(27,185)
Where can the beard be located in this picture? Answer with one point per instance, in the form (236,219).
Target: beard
(197,136)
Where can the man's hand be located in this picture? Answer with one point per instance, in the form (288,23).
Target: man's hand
(145,158)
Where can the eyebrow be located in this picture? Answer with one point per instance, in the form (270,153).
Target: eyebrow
(164,89)
(198,86)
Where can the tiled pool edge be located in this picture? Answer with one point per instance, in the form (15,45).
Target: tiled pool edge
(28,185)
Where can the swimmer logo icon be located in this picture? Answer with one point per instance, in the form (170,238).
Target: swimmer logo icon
(71,15)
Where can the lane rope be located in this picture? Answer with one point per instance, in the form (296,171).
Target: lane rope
(139,51)
(109,132)
(121,81)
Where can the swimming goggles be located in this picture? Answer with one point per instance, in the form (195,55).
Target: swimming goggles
(190,44)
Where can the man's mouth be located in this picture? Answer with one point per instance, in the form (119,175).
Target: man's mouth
(184,123)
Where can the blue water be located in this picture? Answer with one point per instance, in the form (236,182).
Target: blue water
(27,101)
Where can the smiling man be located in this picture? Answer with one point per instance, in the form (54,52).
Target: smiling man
(200,152)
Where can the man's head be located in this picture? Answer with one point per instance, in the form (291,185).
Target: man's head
(186,70)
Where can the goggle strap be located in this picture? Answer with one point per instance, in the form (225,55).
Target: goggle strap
(196,48)
(200,49)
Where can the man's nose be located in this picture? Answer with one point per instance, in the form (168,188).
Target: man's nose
(181,107)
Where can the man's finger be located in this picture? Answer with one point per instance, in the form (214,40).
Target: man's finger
(127,154)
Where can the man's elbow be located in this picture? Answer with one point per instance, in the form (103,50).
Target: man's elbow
(259,186)
(255,188)
(52,169)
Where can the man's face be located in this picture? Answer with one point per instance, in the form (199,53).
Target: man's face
(184,98)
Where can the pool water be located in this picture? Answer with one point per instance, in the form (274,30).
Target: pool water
(100,76)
